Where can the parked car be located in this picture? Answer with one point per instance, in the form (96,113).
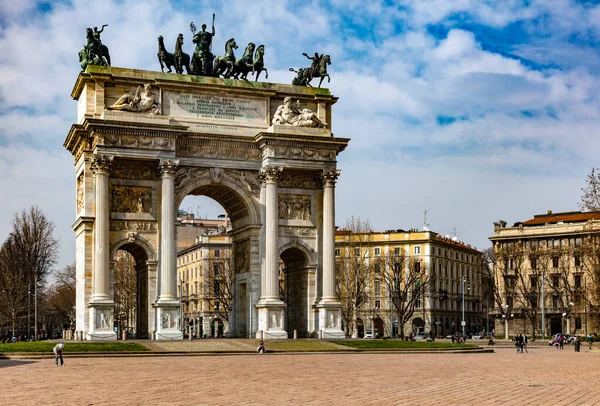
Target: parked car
(420,336)
(476,336)
(368,335)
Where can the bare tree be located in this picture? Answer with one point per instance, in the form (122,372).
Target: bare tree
(353,270)
(125,291)
(408,281)
(590,271)
(14,286)
(220,277)
(60,299)
(36,247)
(590,199)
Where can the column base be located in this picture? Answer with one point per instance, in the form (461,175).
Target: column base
(271,319)
(330,320)
(101,326)
(167,321)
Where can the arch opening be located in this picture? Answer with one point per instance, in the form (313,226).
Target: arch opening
(296,280)
(130,291)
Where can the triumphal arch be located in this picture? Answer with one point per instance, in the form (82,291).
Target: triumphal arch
(145,140)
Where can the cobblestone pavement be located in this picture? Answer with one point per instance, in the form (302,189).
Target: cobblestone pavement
(544,376)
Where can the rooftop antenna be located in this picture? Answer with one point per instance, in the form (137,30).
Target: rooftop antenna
(454,238)
(425,225)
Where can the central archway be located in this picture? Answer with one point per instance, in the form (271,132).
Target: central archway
(299,284)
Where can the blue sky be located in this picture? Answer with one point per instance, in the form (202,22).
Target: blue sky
(474,110)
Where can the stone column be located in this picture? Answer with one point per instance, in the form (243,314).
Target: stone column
(101,272)
(270,307)
(167,305)
(270,175)
(329,179)
(168,258)
(330,308)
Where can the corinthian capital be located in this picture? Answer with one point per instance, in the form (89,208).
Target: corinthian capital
(101,163)
(270,174)
(329,177)
(168,167)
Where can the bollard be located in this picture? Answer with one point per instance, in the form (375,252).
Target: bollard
(153,335)
(320,334)
(262,337)
(123,335)
(295,334)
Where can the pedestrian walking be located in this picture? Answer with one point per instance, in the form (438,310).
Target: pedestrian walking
(590,340)
(524,343)
(561,342)
(58,350)
(519,342)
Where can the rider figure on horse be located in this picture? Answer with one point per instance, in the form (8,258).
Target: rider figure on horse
(314,68)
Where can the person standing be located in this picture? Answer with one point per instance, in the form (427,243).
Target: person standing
(524,343)
(58,350)
(590,340)
(518,342)
(261,347)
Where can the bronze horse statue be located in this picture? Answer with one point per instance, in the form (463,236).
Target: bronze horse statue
(244,65)
(165,58)
(306,75)
(223,65)
(181,58)
(259,64)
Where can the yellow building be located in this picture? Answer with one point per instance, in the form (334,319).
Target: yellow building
(205,273)
(380,271)
(546,273)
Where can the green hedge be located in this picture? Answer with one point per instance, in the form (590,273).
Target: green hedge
(374,344)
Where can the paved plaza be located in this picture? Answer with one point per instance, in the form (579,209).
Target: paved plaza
(544,376)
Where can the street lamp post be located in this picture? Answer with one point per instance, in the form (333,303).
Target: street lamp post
(181,306)
(463,322)
(543,306)
(29,313)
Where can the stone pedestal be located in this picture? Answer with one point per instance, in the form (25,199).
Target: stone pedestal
(271,321)
(101,323)
(330,321)
(167,317)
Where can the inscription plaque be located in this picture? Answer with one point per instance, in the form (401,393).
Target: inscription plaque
(238,109)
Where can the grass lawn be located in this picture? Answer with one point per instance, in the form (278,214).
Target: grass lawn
(45,346)
(300,345)
(394,344)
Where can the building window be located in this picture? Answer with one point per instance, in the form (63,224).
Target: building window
(417,267)
(577,260)
(509,301)
(377,288)
(217,306)
(418,250)
(418,304)
(378,304)
(533,281)
(555,281)
(555,261)
(337,252)
(377,267)
(554,301)
(357,252)
(396,251)
(217,270)
(217,253)
(533,262)
(577,323)
(577,281)
(377,251)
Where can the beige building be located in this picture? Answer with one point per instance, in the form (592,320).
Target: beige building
(546,274)
(447,266)
(204,272)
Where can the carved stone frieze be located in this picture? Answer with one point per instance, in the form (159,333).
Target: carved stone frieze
(101,163)
(168,167)
(241,254)
(296,207)
(270,174)
(136,141)
(131,225)
(309,154)
(131,199)
(80,194)
(185,174)
(295,180)
(290,231)
(142,170)
(219,152)
(247,178)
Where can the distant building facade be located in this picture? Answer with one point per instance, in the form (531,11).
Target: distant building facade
(450,267)
(204,275)
(546,272)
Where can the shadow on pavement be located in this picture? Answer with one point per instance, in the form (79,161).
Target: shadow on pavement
(5,362)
